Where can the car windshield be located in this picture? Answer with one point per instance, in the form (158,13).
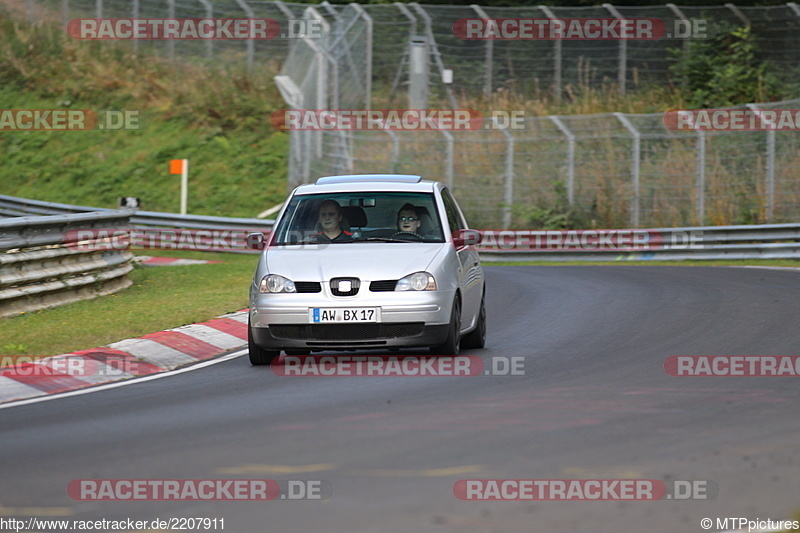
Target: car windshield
(359,217)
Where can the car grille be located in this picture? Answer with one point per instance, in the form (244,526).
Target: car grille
(308,286)
(355,284)
(386,285)
(346,331)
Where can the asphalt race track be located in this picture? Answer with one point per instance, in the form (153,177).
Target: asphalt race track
(595,403)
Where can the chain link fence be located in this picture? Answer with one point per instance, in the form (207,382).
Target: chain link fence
(608,170)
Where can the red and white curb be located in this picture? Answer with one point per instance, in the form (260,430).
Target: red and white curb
(150,354)
(146,260)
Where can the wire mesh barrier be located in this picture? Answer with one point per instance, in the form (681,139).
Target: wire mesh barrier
(608,170)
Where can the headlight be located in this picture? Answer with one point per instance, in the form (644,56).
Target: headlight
(276,283)
(418,281)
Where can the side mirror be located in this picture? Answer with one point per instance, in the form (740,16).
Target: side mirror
(255,241)
(467,237)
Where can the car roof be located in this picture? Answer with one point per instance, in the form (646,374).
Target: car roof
(368,182)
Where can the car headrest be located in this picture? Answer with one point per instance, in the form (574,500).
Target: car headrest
(425,221)
(355,215)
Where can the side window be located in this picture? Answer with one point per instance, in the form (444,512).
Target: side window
(453,215)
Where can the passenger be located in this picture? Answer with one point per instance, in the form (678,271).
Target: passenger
(408,219)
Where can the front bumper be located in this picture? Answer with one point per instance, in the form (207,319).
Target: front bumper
(407,320)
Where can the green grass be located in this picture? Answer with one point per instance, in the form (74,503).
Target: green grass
(160,298)
(218,118)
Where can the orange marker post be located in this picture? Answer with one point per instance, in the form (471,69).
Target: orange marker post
(181,166)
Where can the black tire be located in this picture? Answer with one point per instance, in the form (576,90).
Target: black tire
(452,343)
(477,337)
(258,355)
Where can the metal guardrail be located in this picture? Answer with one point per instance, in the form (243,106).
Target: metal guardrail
(12,206)
(769,241)
(44,264)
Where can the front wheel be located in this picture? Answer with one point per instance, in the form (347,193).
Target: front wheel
(258,355)
(477,337)
(452,343)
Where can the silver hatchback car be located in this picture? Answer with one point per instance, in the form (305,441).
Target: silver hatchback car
(368,262)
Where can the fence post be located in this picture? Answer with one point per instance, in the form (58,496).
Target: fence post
(135,15)
(209,14)
(31,17)
(251,49)
(509,178)
(368,61)
(738,13)
(65,12)
(395,148)
(769,179)
(622,75)
(448,171)
(556,57)
(170,42)
(636,159)
(678,13)
(570,157)
(412,33)
(98,9)
(435,50)
(701,177)
(487,84)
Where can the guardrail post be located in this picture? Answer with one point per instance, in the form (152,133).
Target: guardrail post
(623,52)
(635,163)
(570,157)
(487,84)
(556,57)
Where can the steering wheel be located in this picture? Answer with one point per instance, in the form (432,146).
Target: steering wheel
(407,234)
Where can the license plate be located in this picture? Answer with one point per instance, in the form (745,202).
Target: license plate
(322,315)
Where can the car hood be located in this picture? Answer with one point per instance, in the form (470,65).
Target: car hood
(369,261)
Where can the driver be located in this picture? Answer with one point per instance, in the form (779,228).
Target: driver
(408,219)
(330,219)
